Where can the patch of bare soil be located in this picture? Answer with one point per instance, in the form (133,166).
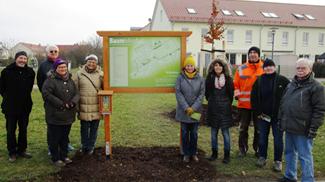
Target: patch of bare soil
(136,164)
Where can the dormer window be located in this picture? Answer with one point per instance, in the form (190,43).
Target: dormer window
(226,12)
(191,10)
(309,17)
(239,13)
(269,15)
(298,16)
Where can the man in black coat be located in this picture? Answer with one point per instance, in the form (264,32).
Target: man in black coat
(16,84)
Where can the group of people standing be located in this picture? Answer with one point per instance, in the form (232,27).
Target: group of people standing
(63,98)
(268,99)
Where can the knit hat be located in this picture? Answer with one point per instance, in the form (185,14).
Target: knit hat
(268,62)
(255,49)
(20,53)
(58,62)
(91,57)
(189,60)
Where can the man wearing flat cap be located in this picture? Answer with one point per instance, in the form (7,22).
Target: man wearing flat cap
(16,84)
(245,77)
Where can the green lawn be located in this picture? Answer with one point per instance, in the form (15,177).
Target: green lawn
(137,121)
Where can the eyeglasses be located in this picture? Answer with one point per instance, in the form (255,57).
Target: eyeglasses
(53,51)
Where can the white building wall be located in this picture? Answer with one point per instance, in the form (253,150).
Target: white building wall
(160,20)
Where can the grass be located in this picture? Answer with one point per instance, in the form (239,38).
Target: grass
(137,121)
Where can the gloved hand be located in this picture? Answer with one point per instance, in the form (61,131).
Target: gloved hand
(236,98)
(62,106)
(190,111)
(70,105)
(312,133)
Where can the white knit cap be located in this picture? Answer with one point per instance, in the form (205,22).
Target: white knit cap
(92,57)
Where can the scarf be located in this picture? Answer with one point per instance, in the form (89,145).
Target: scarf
(220,81)
(90,70)
(190,75)
(64,77)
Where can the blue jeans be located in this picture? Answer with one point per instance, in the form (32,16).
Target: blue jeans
(59,137)
(88,132)
(189,138)
(294,145)
(264,128)
(226,138)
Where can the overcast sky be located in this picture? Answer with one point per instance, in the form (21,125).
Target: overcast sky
(71,21)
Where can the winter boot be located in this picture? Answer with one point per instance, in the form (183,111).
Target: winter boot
(226,158)
(214,154)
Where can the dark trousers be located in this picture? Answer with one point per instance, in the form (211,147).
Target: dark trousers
(245,116)
(59,137)
(11,126)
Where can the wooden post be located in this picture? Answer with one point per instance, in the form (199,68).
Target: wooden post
(201,59)
(213,54)
(224,48)
(108,148)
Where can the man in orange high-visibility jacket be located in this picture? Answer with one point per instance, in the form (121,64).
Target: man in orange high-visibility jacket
(245,77)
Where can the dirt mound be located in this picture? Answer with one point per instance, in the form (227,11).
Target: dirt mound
(136,164)
(171,115)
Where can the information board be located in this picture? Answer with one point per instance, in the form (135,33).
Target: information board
(142,61)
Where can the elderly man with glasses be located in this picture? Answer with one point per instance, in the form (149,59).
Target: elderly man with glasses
(43,69)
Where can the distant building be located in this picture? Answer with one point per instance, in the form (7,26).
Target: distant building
(4,52)
(32,50)
(301,28)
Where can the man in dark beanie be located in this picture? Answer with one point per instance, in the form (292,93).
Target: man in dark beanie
(17,82)
(245,77)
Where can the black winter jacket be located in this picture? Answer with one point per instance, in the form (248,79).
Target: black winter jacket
(57,92)
(16,87)
(302,106)
(42,71)
(280,84)
(219,112)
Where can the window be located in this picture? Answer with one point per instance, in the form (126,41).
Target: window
(239,13)
(243,58)
(231,58)
(285,38)
(230,36)
(191,10)
(305,39)
(187,38)
(226,12)
(249,34)
(269,15)
(203,33)
(188,54)
(269,38)
(309,17)
(321,39)
(303,56)
(298,16)
(207,59)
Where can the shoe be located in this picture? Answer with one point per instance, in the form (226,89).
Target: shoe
(284,179)
(67,160)
(25,154)
(49,153)
(226,157)
(58,163)
(195,159)
(261,162)
(70,147)
(186,159)
(277,166)
(241,154)
(90,151)
(12,159)
(214,155)
(83,151)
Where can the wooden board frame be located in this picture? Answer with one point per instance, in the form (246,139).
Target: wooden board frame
(107,34)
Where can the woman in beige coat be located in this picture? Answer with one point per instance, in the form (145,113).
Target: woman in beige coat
(89,79)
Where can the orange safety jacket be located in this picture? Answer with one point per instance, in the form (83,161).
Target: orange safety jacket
(245,76)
